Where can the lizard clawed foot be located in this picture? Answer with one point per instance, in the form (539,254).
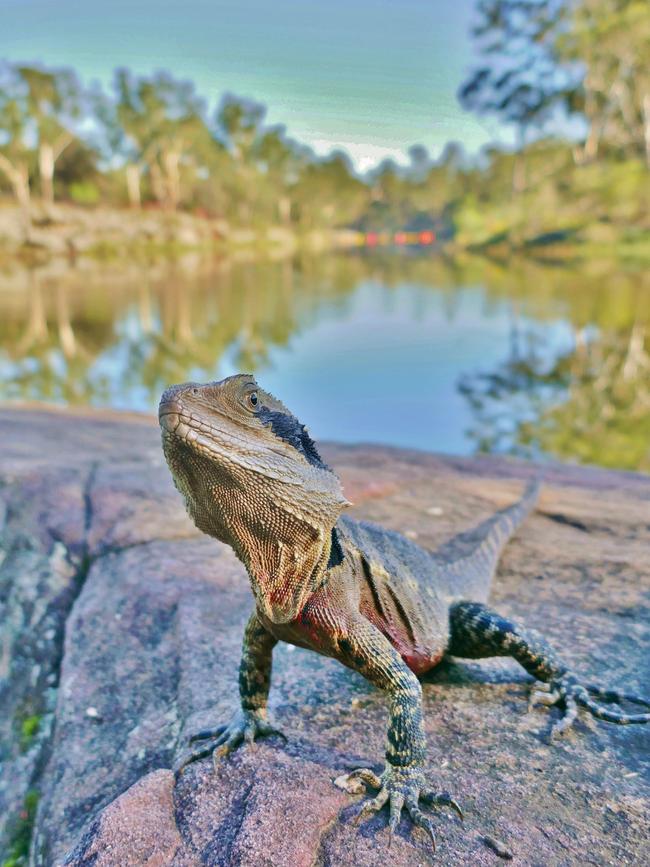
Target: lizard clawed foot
(223,739)
(569,692)
(399,788)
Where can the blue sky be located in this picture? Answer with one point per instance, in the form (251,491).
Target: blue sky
(370,76)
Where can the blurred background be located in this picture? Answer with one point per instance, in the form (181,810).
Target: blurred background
(418,223)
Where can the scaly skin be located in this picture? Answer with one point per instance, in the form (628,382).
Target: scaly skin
(368,597)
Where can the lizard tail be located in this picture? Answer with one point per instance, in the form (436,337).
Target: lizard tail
(505,522)
(476,568)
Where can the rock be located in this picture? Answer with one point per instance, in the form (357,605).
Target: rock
(140,824)
(121,628)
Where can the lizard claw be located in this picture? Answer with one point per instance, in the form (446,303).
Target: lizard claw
(566,690)
(543,697)
(400,788)
(441,799)
(223,739)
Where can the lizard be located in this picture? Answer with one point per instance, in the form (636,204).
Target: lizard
(252,477)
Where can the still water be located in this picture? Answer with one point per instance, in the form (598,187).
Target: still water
(421,351)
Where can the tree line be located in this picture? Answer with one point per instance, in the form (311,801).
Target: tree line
(571,77)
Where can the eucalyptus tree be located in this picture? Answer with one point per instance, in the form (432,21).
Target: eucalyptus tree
(114,139)
(163,121)
(15,151)
(54,106)
(280,161)
(519,77)
(329,193)
(238,124)
(609,41)
(542,60)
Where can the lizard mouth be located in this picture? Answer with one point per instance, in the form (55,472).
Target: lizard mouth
(169,416)
(173,417)
(180,425)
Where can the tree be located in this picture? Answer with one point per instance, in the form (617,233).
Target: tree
(280,160)
(609,41)
(238,125)
(54,103)
(520,80)
(182,131)
(420,162)
(163,124)
(114,140)
(329,193)
(14,122)
(548,59)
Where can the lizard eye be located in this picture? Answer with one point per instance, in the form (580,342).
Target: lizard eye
(252,399)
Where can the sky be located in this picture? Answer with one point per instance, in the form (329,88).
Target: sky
(369,76)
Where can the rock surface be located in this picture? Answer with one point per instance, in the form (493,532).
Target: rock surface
(121,628)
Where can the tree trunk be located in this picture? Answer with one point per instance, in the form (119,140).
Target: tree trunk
(133,185)
(48,154)
(590,150)
(46,171)
(646,127)
(519,167)
(21,188)
(171,161)
(157,183)
(18,177)
(284,210)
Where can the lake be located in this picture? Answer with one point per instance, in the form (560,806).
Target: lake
(416,350)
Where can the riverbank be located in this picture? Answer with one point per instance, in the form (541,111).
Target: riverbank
(64,230)
(123,628)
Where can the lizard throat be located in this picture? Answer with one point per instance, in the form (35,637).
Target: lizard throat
(281,536)
(284,576)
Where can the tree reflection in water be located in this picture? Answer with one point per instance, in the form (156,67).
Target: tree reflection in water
(117,335)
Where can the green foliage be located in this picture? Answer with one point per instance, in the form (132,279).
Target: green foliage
(84,193)
(558,200)
(542,60)
(28,730)
(519,78)
(609,40)
(18,853)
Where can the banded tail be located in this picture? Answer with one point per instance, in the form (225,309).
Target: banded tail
(473,570)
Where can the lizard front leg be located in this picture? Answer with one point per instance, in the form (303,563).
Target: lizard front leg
(402,783)
(250,720)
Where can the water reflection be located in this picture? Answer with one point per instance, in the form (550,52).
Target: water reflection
(454,355)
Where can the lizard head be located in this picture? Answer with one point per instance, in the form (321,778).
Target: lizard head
(252,477)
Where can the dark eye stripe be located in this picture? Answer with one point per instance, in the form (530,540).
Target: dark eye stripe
(289,429)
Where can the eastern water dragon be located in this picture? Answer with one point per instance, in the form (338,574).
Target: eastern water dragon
(252,477)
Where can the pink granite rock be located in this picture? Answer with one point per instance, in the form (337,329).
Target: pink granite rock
(123,630)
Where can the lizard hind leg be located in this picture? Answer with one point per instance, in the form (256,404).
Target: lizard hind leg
(477,631)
